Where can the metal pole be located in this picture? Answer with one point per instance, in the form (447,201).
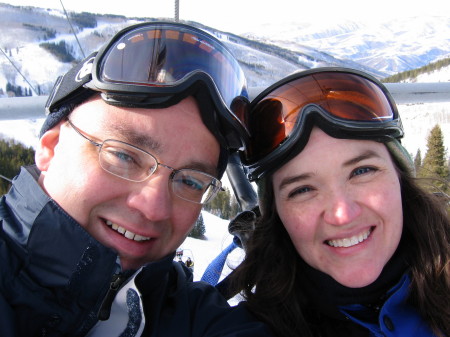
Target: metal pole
(177,10)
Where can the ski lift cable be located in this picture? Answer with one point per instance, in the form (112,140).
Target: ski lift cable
(71,27)
(18,70)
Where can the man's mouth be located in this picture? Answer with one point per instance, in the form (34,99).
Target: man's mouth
(351,241)
(126,233)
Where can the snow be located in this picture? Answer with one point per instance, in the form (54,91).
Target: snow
(217,239)
(202,252)
(441,75)
(389,45)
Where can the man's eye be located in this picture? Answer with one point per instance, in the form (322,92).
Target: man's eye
(121,157)
(124,156)
(192,183)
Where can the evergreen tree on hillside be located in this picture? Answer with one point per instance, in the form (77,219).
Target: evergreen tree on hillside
(434,165)
(223,205)
(198,232)
(12,156)
(413,73)
(62,51)
(418,160)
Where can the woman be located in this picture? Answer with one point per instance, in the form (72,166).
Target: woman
(350,245)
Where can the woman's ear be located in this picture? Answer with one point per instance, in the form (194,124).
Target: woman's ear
(46,147)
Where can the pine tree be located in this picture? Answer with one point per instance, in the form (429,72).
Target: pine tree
(223,205)
(418,160)
(12,156)
(434,165)
(198,232)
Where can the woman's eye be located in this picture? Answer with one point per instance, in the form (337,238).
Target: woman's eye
(298,191)
(362,170)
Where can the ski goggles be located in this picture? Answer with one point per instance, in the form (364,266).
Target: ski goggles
(155,65)
(345,103)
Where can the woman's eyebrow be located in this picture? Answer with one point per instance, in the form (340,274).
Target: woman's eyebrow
(365,155)
(297,178)
(292,179)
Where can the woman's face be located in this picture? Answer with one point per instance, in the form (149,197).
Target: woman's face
(340,202)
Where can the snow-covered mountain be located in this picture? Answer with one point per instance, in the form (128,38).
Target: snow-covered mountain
(390,46)
(266,54)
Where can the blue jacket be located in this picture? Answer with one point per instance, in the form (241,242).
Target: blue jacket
(55,279)
(396,317)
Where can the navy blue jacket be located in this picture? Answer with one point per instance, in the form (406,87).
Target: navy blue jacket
(54,278)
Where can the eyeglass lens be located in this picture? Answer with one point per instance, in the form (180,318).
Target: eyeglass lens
(128,162)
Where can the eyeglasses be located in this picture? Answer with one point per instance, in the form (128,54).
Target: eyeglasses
(155,65)
(134,164)
(344,102)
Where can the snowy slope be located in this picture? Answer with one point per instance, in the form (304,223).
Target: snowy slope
(217,239)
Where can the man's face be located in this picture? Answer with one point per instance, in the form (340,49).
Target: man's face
(142,221)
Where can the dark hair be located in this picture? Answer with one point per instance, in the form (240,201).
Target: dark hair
(273,288)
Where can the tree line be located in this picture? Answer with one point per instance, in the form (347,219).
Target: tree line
(13,155)
(62,51)
(405,75)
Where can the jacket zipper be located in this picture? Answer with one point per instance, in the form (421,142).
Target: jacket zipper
(116,282)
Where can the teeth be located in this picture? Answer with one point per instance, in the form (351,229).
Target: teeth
(349,242)
(127,233)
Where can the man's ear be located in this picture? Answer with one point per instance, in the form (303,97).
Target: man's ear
(46,147)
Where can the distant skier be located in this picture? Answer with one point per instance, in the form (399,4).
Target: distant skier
(190,264)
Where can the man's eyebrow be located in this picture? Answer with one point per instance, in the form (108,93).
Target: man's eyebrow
(204,167)
(147,143)
(141,140)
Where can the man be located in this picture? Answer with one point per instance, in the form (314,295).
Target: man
(135,142)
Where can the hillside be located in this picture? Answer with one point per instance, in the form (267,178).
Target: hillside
(438,71)
(266,54)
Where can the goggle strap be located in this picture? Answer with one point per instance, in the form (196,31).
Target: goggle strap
(71,85)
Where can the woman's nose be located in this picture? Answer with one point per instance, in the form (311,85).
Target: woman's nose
(341,208)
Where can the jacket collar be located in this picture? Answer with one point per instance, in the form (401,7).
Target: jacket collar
(55,250)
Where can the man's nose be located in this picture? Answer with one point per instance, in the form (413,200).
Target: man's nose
(153,197)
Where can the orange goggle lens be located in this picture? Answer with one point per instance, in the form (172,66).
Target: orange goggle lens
(347,99)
